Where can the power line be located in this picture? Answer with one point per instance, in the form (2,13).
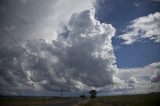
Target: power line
(12,38)
(8,34)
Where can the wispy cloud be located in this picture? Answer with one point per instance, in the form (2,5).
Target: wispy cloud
(143,27)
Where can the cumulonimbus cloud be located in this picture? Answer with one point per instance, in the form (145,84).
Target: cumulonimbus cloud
(142,28)
(81,58)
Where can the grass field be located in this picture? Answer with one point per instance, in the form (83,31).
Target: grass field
(126,100)
(30,101)
(152,99)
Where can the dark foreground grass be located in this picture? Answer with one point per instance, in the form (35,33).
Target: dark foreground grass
(30,101)
(126,100)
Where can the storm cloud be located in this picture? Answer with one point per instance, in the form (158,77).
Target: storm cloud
(53,44)
(81,58)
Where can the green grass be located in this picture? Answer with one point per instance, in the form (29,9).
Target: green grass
(126,100)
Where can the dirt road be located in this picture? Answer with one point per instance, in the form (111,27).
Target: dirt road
(67,103)
(73,102)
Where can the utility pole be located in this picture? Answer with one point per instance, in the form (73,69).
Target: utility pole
(61,91)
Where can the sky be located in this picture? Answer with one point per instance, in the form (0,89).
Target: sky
(112,46)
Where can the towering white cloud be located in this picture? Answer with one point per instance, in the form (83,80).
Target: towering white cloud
(143,27)
(38,19)
(58,15)
(81,58)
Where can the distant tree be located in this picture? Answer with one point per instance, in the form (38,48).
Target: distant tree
(93,93)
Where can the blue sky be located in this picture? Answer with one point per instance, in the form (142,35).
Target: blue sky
(119,13)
